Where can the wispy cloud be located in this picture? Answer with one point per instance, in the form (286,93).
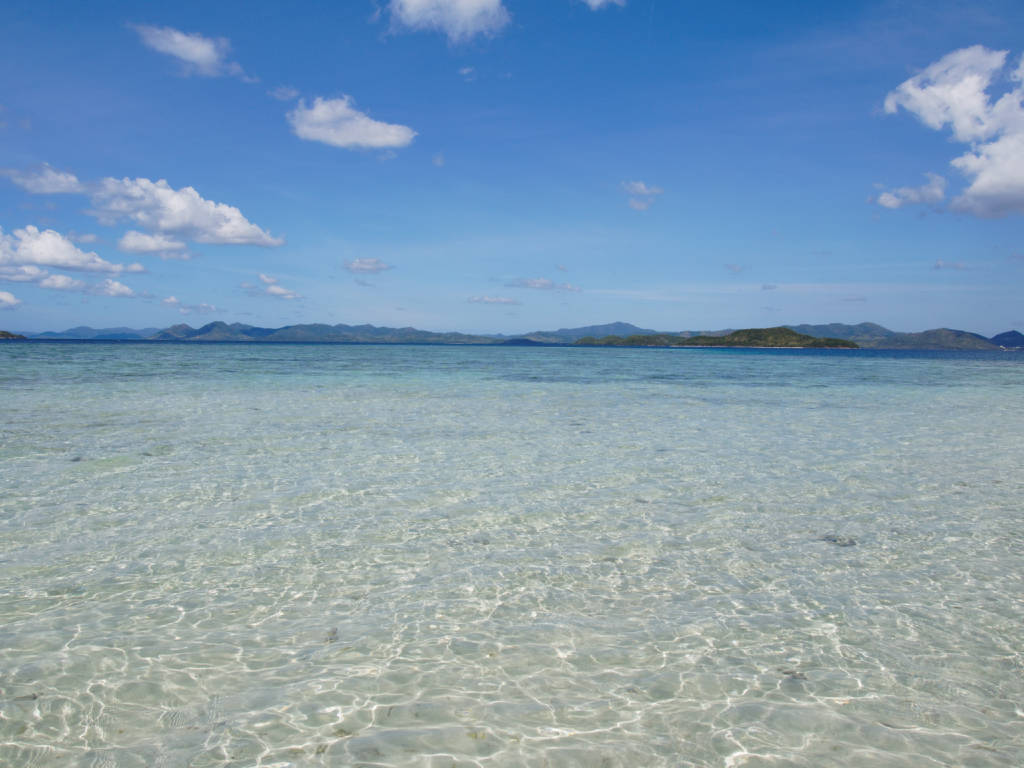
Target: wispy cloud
(492,300)
(45,181)
(283,93)
(367,266)
(189,309)
(338,123)
(932,193)
(641,195)
(199,55)
(270,287)
(598,4)
(541,284)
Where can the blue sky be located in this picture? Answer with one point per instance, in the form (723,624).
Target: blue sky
(512,165)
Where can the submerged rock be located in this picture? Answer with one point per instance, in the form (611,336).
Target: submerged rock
(839,541)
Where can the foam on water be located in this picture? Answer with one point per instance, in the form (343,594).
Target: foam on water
(238,555)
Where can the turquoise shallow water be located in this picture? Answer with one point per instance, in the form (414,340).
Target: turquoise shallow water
(290,555)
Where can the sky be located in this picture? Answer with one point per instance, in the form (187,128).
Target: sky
(512,165)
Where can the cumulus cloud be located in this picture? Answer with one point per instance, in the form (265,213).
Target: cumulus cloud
(47,248)
(932,193)
(8,300)
(140,242)
(25,273)
(642,196)
(112,288)
(337,123)
(46,181)
(158,207)
(366,266)
(541,284)
(953,93)
(152,205)
(200,55)
(492,300)
(62,283)
(459,19)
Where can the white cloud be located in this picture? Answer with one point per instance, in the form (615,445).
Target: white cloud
(284,93)
(337,123)
(140,242)
(642,196)
(187,309)
(281,292)
(113,288)
(492,300)
(47,248)
(62,283)
(366,266)
(954,92)
(153,205)
(272,288)
(438,160)
(957,265)
(932,193)
(459,19)
(639,188)
(8,301)
(597,4)
(541,284)
(156,206)
(206,56)
(22,274)
(46,181)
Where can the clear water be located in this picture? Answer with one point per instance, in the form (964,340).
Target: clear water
(240,555)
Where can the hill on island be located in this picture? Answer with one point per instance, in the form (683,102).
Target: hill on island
(1009,340)
(872,336)
(9,335)
(749,337)
(868,335)
(313,333)
(99,334)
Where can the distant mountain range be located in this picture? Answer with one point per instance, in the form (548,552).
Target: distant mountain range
(98,334)
(867,335)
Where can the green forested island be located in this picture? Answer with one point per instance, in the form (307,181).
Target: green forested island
(749,337)
(9,335)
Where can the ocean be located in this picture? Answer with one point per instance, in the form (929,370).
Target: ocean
(327,555)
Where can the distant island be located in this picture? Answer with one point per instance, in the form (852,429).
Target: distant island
(863,335)
(748,337)
(8,335)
